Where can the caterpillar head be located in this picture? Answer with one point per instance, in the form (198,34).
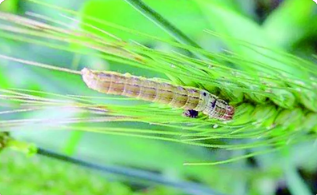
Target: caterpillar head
(88,76)
(91,79)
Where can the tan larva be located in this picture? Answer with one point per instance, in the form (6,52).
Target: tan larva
(191,99)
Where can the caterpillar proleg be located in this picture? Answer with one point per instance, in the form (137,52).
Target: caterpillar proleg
(193,100)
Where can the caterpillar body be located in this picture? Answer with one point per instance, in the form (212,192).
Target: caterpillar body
(191,99)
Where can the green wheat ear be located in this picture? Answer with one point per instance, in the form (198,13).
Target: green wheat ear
(270,110)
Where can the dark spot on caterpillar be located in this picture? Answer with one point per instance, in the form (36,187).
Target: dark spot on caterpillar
(204,94)
(191,113)
(213,104)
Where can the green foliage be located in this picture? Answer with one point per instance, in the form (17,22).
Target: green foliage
(185,11)
(273,91)
(286,32)
(42,175)
(9,6)
(7,142)
(252,81)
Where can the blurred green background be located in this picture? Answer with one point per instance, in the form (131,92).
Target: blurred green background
(290,25)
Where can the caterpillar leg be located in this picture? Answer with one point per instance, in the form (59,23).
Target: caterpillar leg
(191,113)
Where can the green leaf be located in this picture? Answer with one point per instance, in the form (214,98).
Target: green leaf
(179,13)
(236,30)
(9,6)
(289,22)
(295,183)
(72,143)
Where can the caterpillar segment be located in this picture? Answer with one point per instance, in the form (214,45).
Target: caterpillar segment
(192,100)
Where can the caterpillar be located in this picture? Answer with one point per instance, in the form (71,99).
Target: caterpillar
(192,100)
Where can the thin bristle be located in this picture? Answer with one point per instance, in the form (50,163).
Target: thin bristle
(40,65)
